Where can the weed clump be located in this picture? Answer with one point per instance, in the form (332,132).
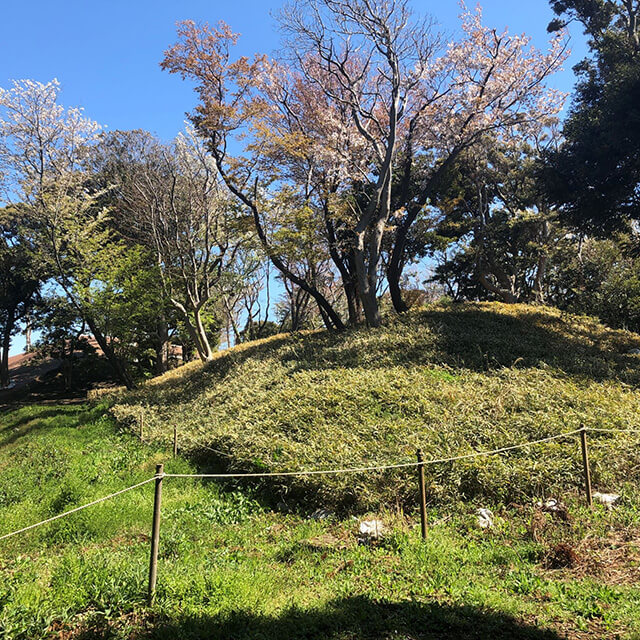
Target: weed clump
(560,556)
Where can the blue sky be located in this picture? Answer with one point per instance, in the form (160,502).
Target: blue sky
(106,54)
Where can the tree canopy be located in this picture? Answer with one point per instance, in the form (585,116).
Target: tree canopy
(595,176)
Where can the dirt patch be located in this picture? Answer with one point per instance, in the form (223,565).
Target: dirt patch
(560,556)
(613,560)
(91,625)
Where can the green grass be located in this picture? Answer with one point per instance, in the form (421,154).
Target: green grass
(231,568)
(448,379)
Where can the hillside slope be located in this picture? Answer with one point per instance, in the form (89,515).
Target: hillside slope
(231,568)
(449,379)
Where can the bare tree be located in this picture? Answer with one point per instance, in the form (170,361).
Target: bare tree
(168,197)
(247,301)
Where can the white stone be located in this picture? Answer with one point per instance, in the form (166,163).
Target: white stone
(485,518)
(607,499)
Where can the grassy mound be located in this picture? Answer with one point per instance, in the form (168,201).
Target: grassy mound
(450,379)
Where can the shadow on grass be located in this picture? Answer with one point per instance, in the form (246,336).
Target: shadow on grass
(355,618)
(477,337)
(36,418)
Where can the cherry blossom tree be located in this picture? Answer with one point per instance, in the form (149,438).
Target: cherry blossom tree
(362,115)
(43,152)
(495,86)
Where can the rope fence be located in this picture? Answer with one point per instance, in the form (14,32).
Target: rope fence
(401,465)
(84,506)
(420,464)
(598,430)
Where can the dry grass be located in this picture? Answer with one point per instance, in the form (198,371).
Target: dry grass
(449,379)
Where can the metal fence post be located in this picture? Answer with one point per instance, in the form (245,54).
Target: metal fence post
(155,534)
(585,465)
(423,499)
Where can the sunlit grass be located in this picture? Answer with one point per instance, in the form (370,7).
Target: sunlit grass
(446,379)
(229,567)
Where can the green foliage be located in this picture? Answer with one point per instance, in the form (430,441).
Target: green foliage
(595,175)
(62,336)
(495,230)
(597,277)
(127,300)
(259,330)
(21,277)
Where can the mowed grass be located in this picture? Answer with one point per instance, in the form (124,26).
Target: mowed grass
(232,568)
(449,379)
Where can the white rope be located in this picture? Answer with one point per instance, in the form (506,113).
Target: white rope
(510,448)
(290,473)
(84,506)
(374,468)
(297,473)
(598,430)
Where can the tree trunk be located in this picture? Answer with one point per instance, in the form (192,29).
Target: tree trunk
(67,371)
(298,303)
(264,241)
(197,332)
(394,272)
(27,332)
(354,305)
(346,267)
(507,295)
(4,354)
(203,346)
(541,267)
(195,336)
(367,257)
(120,370)
(367,294)
(396,261)
(538,287)
(162,346)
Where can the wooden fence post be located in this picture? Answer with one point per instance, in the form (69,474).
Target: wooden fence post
(175,442)
(585,465)
(423,499)
(155,534)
